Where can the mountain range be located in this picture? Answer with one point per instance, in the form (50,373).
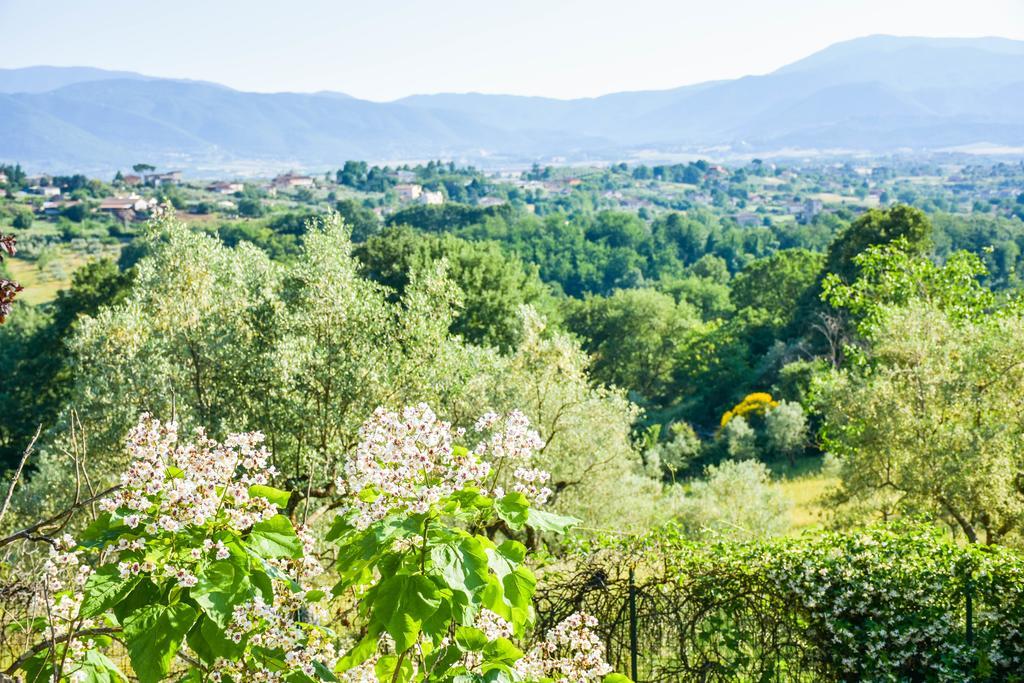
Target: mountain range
(870,95)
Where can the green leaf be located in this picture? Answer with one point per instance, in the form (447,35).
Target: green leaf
(493,598)
(275,496)
(209,641)
(145,593)
(519,587)
(616,678)
(275,537)
(221,587)
(324,673)
(514,509)
(501,650)
(360,652)
(100,531)
(98,668)
(506,557)
(549,521)
(385,669)
(470,638)
(463,567)
(401,603)
(104,589)
(153,636)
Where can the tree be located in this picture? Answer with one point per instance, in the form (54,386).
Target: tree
(303,351)
(923,418)
(224,336)
(250,207)
(75,213)
(677,452)
(777,283)
(37,357)
(143,168)
(785,429)
(22,219)
(361,221)
(740,439)
(634,336)
(877,227)
(931,422)
(596,471)
(737,500)
(492,285)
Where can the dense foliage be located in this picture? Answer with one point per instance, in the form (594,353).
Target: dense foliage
(585,366)
(888,603)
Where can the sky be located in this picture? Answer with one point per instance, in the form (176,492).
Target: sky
(386,49)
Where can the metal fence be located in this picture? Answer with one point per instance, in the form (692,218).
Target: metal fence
(734,624)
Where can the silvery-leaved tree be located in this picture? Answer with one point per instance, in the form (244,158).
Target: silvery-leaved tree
(927,417)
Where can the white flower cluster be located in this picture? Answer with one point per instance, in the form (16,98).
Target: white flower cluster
(875,617)
(571,651)
(170,485)
(272,626)
(407,461)
(493,625)
(511,450)
(64,577)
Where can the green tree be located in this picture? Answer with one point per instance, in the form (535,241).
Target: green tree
(37,359)
(736,500)
(877,227)
(22,219)
(777,283)
(740,439)
(634,336)
(493,286)
(931,423)
(785,430)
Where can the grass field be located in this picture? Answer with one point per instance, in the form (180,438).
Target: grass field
(42,284)
(804,484)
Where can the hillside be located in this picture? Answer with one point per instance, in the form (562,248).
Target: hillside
(870,94)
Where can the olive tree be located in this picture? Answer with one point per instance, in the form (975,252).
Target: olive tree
(928,417)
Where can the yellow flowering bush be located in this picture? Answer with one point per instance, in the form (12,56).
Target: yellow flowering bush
(757,403)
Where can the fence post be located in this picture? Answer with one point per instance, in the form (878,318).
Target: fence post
(632,626)
(969,607)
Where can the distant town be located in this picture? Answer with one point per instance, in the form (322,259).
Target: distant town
(64,220)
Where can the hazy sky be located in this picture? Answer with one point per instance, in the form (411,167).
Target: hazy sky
(383,49)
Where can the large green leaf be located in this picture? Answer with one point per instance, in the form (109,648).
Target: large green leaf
(153,635)
(208,641)
(222,586)
(549,521)
(275,496)
(463,566)
(401,603)
(519,587)
(104,589)
(506,557)
(275,537)
(514,508)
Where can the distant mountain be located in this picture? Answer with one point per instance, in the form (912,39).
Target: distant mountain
(35,79)
(873,94)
